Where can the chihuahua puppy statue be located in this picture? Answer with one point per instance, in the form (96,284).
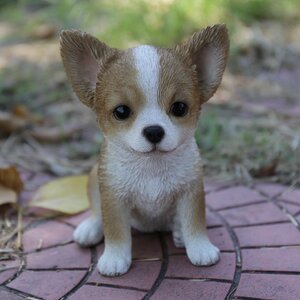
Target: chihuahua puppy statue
(147,102)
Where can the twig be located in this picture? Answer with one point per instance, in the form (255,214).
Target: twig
(20,227)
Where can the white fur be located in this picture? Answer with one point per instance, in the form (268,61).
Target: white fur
(201,251)
(89,232)
(147,64)
(149,182)
(115,260)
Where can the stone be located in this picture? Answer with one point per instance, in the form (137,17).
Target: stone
(233,196)
(50,285)
(47,234)
(105,293)
(67,256)
(141,275)
(269,286)
(268,235)
(180,266)
(191,289)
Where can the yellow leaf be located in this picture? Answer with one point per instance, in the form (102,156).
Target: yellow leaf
(7,195)
(67,195)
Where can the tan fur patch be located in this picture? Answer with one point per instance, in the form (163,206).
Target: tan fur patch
(207,50)
(117,85)
(178,82)
(111,207)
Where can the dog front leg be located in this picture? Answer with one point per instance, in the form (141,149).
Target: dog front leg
(191,215)
(116,258)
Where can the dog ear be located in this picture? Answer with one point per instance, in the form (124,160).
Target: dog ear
(207,51)
(83,56)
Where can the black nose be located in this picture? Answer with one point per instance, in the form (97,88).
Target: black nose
(154,134)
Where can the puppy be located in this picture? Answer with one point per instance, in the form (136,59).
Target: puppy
(147,101)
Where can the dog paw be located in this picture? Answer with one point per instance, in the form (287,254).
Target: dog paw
(202,252)
(89,232)
(113,264)
(178,241)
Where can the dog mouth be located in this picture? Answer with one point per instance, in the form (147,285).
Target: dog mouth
(155,150)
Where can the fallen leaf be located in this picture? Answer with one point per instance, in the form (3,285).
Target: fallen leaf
(265,170)
(18,118)
(10,178)
(20,111)
(66,195)
(7,195)
(10,123)
(10,185)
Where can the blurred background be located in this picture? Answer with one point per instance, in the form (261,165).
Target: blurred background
(249,130)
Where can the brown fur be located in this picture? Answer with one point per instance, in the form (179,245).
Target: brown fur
(206,47)
(117,85)
(178,82)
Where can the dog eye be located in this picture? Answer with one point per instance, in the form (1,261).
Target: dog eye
(122,112)
(179,109)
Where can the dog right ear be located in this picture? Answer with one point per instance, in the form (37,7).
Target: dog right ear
(83,57)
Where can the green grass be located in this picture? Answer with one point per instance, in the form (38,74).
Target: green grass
(122,23)
(230,143)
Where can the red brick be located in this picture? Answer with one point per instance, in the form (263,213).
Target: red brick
(141,275)
(6,295)
(269,286)
(11,266)
(105,293)
(233,196)
(47,284)
(271,259)
(210,186)
(212,220)
(268,235)
(290,207)
(68,256)
(254,214)
(47,234)
(292,195)
(271,189)
(75,220)
(192,290)
(180,266)
(8,274)
(221,238)
(146,247)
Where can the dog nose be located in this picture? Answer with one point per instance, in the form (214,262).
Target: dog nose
(154,134)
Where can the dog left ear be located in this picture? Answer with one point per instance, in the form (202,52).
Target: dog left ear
(84,57)
(207,52)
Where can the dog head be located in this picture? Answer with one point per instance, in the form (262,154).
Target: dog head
(147,99)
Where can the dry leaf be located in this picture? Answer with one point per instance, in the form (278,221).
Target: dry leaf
(20,111)
(10,185)
(7,195)
(10,123)
(10,178)
(265,170)
(67,195)
(18,118)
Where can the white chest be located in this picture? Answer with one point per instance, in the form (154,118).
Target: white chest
(150,182)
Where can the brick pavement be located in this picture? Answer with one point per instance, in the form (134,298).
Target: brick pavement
(256,229)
